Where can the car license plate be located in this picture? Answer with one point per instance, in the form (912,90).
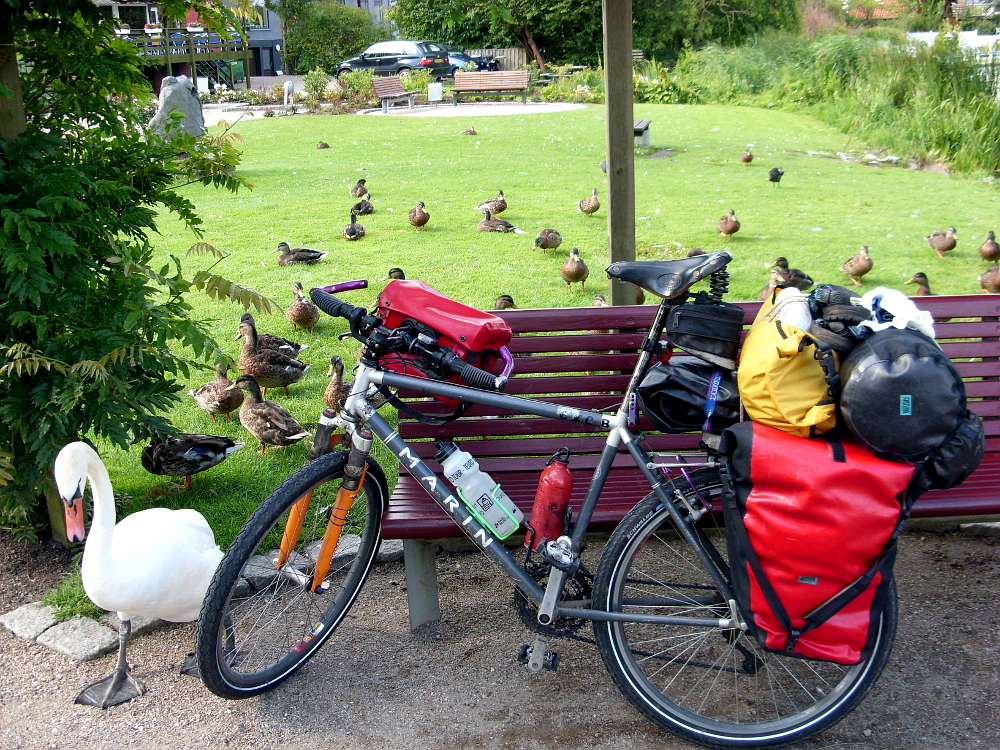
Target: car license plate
(438,59)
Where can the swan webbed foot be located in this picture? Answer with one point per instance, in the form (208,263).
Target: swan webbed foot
(118,687)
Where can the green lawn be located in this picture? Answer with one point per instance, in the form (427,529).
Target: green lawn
(823,211)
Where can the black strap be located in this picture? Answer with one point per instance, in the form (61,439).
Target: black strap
(402,406)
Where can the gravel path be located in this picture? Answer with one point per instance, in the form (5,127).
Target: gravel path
(457,684)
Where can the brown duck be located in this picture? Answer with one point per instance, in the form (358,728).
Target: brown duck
(747,157)
(574,269)
(268,421)
(270,369)
(494,205)
(470,131)
(491,224)
(359,190)
(353,231)
(923,285)
(728,225)
(363,207)
(336,390)
(771,285)
(548,239)
(858,265)
(215,398)
(695,251)
(301,312)
(418,216)
(990,280)
(395,273)
(792,276)
(504,302)
(291,255)
(590,204)
(942,242)
(186,453)
(990,250)
(321,144)
(271,341)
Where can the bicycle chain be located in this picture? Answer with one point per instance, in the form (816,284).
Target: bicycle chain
(579,588)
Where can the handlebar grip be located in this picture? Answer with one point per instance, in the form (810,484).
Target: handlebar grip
(473,376)
(330,304)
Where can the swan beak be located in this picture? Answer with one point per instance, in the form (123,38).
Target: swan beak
(74,517)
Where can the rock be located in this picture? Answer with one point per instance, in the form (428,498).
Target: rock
(178,94)
(981,529)
(140,625)
(390,551)
(29,621)
(80,638)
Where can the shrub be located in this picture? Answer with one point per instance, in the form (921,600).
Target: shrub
(320,33)
(415,80)
(357,86)
(315,83)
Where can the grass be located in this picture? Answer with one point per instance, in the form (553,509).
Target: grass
(823,211)
(69,598)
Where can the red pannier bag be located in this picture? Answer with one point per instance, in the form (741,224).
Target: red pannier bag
(473,335)
(811,530)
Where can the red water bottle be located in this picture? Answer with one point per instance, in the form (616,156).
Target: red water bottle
(551,500)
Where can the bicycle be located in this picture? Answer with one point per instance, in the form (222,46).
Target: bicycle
(661,603)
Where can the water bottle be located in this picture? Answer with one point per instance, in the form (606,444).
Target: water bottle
(485,500)
(548,513)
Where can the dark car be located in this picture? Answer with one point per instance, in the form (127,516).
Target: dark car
(458,60)
(393,57)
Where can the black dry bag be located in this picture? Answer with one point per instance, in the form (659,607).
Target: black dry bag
(673,396)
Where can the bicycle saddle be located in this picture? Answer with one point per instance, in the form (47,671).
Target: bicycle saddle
(669,278)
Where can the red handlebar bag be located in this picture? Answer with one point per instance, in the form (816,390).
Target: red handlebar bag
(811,530)
(472,334)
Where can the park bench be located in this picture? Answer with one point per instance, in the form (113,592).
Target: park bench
(640,131)
(390,90)
(563,353)
(491,82)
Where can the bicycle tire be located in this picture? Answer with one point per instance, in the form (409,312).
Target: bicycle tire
(259,624)
(713,687)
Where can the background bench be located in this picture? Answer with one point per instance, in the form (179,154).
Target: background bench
(604,341)
(491,82)
(390,90)
(640,131)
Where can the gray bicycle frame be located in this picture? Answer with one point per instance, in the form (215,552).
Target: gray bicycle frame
(618,435)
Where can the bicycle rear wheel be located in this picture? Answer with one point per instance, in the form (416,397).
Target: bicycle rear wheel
(712,686)
(261,619)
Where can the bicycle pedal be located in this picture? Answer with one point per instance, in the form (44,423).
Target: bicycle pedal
(546,659)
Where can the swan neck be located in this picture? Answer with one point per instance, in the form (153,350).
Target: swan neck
(103,524)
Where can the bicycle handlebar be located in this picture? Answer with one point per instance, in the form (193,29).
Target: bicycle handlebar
(361,322)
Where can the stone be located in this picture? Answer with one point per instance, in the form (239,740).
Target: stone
(981,529)
(29,621)
(140,625)
(178,93)
(390,551)
(259,572)
(81,638)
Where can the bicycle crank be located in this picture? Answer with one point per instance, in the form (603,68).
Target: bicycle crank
(538,656)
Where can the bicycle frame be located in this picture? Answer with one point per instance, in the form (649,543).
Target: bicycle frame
(357,407)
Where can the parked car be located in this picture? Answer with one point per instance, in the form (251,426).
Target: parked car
(458,59)
(394,57)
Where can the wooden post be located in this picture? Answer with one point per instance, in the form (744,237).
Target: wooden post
(621,168)
(12,118)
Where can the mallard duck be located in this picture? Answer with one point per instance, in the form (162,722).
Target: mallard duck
(298,255)
(640,295)
(589,204)
(775,175)
(770,286)
(302,312)
(695,251)
(989,250)
(494,205)
(271,341)
(728,225)
(270,369)
(989,281)
(353,231)
(336,390)
(923,285)
(186,453)
(574,269)
(548,239)
(322,145)
(491,224)
(942,242)
(268,421)
(395,273)
(504,302)
(470,131)
(215,398)
(792,276)
(858,265)
(418,216)
(359,190)
(363,207)
(154,563)
(747,157)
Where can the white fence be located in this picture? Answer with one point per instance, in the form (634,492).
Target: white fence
(512,57)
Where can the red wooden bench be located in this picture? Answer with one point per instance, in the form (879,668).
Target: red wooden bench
(513,449)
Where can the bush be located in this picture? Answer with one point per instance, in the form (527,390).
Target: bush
(320,34)
(415,80)
(315,83)
(357,86)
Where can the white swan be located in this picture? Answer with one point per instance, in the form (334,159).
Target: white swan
(154,563)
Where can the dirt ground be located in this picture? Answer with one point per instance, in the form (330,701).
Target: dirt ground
(457,684)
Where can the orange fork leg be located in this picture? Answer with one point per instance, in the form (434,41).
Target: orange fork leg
(338,516)
(293,527)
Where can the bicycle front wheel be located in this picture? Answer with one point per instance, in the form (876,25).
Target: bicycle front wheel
(268,610)
(712,686)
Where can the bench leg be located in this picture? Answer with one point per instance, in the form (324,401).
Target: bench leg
(385,106)
(421,582)
(524,97)
(410,100)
